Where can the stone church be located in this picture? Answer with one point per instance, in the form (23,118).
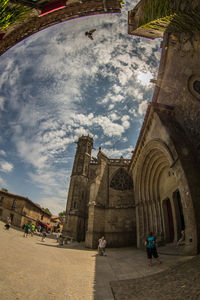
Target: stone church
(159,188)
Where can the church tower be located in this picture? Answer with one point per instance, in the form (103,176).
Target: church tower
(77,210)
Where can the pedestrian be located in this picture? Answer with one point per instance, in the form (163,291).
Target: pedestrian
(102,246)
(150,244)
(32,229)
(58,234)
(26,230)
(44,234)
(8,223)
(39,229)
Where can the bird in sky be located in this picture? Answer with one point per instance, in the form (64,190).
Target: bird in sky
(89,33)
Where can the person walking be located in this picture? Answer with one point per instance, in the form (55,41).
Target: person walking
(150,244)
(32,229)
(102,246)
(58,234)
(44,234)
(26,230)
(8,223)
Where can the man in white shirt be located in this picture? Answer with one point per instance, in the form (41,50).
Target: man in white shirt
(102,246)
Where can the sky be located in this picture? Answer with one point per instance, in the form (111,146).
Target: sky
(58,85)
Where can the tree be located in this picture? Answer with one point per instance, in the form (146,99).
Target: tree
(62,213)
(4,190)
(46,210)
(11,12)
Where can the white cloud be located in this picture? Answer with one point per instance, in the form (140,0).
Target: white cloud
(111,106)
(125,121)
(3,182)
(117,153)
(6,166)
(114,117)
(144,78)
(2,100)
(142,107)
(2,152)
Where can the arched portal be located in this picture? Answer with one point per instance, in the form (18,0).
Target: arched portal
(159,205)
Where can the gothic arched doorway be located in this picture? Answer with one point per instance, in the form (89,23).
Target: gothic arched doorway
(180,221)
(168,221)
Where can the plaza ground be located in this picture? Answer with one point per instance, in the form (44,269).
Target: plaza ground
(31,269)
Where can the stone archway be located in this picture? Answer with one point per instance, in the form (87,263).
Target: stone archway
(160,205)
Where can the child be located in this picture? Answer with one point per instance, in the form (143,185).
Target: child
(102,246)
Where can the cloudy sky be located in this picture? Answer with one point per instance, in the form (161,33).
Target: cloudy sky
(57,85)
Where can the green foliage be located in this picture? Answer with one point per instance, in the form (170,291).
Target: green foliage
(185,22)
(10,13)
(62,213)
(176,23)
(4,190)
(167,15)
(157,9)
(46,210)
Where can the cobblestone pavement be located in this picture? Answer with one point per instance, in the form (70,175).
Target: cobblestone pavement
(177,283)
(32,270)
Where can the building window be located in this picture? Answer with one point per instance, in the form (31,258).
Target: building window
(121,181)
(42,216)
(1,200)
(14,204)
(194,86)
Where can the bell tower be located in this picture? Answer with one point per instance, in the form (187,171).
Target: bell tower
(77,210)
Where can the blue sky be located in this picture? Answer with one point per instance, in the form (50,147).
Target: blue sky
(57,85)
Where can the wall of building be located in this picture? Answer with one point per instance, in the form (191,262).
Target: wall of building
(21,210)
(161,169)
(111,212)
(179,70)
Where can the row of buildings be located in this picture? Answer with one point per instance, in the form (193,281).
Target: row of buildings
(22,210)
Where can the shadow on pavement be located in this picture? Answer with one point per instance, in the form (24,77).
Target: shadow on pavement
(74,246)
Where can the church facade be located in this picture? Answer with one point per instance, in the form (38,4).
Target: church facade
(157,190)
(100,199)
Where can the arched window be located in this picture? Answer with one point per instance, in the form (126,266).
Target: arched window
(121,180)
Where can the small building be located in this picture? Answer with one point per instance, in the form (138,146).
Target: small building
(21,210)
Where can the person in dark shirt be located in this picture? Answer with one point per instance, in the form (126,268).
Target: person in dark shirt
(26,230)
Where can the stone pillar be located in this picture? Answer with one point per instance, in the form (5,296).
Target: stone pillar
(96,217)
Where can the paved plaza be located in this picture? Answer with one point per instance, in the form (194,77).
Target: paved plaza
(34,270)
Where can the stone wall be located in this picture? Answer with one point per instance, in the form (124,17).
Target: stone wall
(21,210)
(176,86)
(111,211)
(160,169)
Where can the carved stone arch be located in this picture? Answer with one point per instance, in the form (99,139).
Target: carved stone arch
(149,150)
(154,158)
(121,180)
